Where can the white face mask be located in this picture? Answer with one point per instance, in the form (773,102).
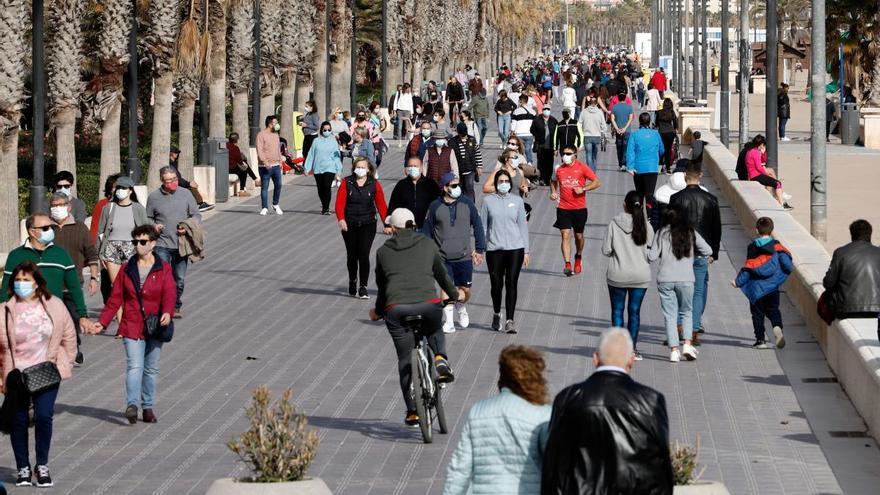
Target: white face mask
(360,172)
(340,116)
(454,192)
(514,161)
(413,172)
(440,143)
(426,132)
(59,213)
(65,191)
(512,146)
(567,159)
(122,193)
(504,187)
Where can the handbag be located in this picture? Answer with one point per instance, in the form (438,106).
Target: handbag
(38,377)
(824,310)
(153,330)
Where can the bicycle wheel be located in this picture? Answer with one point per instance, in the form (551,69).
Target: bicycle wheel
(441,413)
(422,408)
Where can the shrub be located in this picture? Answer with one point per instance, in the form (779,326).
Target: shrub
(277,447)
(685,463)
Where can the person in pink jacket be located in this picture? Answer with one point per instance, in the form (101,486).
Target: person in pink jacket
(37,328)
(756,158)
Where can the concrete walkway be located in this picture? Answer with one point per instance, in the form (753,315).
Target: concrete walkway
(267,307)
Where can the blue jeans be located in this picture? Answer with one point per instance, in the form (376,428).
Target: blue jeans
(577,112)
(44,411)
(141,371)
(634,308)
(504,126)
(178,267)
(676,302)
(701,289)
(782,124)
(483,126)
(621,141)
(528,144)
(591,150)
(265,174)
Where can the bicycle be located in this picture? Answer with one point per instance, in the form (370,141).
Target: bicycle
(426,391)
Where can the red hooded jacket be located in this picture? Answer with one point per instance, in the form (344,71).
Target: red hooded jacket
(159,294)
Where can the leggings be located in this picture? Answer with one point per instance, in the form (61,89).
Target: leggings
(324,182)
(504,267)
(405,341)
(668,138)
(308,139)
(645,185)
(358,241)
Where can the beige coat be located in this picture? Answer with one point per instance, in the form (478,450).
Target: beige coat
(62,343)
(192,243)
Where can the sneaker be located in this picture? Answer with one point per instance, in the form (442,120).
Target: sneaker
(780,338)
(79,358)
(243,194)
(567,270)
(131,414)
(463,318)
(787,207)
(352,288)
(177,314)
(496,322)
(622,168)
(786,139)
(325,212)
(578,264)
(637,355)
(43,478)
(264,211)
(24,477)
(202,207)
(277,210)
(700,330)
(689,352)
(449,326)
(444,371)
(674,356)
(759,344)
(411,419)
(362,293)
(509,327)
(786,196)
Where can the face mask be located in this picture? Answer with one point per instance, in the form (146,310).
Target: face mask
(171,186)
(58,213)
(512,146)
(47,236)
(361,118)
(440,143)
(326,133)
(360,172)
(546,113)
(23,288)
(64,190)
(413,172)
(340,116)
(455,192)
(426,132)
(515,162)
(122,193)
(567,159)
(503,187)
(276,127)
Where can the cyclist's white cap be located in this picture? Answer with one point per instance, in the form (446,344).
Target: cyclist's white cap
(400,216)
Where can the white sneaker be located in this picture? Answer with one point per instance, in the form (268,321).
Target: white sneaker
(264,211)
(786,196)
(780,338)
(448,323)
(785,139)
(689,352)
(675,356)
(463,319)
(277,210)
(335,183)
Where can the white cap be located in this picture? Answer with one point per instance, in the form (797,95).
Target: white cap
(400,216)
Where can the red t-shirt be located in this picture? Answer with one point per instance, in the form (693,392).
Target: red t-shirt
(570,176)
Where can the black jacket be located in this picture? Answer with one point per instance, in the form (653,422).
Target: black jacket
(467,153)
(567,132)
(608,435)
(538,130)
(783,105)
(416,198)
(702,211)
(853,279)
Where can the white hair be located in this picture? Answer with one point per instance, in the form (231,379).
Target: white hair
(615,346)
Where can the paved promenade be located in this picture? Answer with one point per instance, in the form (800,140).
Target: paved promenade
(267,307)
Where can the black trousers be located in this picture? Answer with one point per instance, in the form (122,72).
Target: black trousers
(243,176)
(405,341)
(767,306)
(71,308)
(358,241)
(668,138)
(307,144)
(467,185)
(324,182)
(545,164)
(645,185)
(504,268)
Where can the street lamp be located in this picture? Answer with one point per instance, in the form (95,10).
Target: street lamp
(38,201)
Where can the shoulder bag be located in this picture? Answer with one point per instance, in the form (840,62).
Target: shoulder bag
(38,377)
(152,329)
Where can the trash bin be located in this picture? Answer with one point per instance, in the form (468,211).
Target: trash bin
(688,102)
(849,124)
(218,157)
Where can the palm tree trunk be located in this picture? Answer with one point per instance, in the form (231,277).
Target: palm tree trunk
(64,126)
(111,156)
(161,136)
(267,106)
(240,119)
(340,82)
(185,115)
(303,87)
(391,82)
(217,105)
(287,93)
(9,228)
(217,79)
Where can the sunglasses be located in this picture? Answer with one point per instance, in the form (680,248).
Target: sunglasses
(568,154)
(44,228)
(513,143)
(60,185)
(142,242)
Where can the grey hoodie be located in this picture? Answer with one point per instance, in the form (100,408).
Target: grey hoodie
(593,121)
(671,268)
(628,266)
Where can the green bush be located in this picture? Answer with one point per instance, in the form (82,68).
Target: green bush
(685,461)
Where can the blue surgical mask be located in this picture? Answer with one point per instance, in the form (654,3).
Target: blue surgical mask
(515,161)
(340,116)
(327,133)
(23,288)
(47,236)
(440,143)
(504,187)
(413,172)
(426,132)
(65,191)
(455,192)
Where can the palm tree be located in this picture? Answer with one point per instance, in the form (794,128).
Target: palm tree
(189,66)
(14,47)
(340,54)
(271,37)
(160,43)
(64,58)
(239,64)
(296,56)
(216,75)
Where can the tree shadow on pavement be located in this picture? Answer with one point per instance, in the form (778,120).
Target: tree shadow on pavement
(113,417)
(378,429)
(312,290)
(570,351)
(781,380)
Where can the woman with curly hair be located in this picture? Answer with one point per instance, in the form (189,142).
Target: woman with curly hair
(502,443)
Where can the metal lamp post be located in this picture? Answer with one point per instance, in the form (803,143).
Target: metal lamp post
(745,55)
(132,164)
(255,82)
(723,73)
(772,84)
(203,105)
(38,201)
(818,186)
(384,66)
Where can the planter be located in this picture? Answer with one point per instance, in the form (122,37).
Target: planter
(701,488)
(229,486)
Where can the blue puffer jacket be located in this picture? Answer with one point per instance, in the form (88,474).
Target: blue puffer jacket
(500,449)
(768,265)
(643,150)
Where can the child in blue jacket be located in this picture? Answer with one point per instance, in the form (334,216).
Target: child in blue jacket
(768,265)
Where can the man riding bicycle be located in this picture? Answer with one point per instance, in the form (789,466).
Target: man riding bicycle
(406,267)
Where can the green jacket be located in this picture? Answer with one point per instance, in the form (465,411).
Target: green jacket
(479,106)
(57,268)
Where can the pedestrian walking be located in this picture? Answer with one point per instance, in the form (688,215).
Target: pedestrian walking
(673,249)
(511,162)
(479,106)
(571,182)
(415,192)
(653,103)
(269,163)
(473,130)
(768,265)
(507,246)
(454,98)
(621,123)
(521,127)
(311,125)
(643,161)
(469,158)
(439,159)
(504,108)
(359,198)
(325,163)
(37,329)
(419,143)
(62,183)
(544,133)
(501,446)
(667,125)
(593,125)
(628,276)
(404,107)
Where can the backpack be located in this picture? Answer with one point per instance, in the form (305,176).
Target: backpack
(742,172)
